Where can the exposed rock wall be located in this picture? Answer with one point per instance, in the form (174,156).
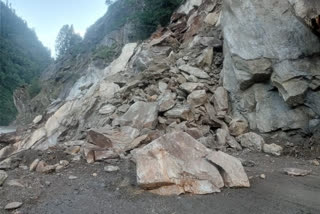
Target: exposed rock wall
(271,66)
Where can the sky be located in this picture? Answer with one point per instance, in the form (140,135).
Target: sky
(48,16)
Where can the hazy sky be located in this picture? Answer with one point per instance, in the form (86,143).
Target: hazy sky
(48,16)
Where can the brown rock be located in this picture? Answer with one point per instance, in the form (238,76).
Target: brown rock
(238,126)
(166,101)
(43,167)
(197,98)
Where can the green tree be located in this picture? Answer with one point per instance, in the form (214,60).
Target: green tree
(66,41)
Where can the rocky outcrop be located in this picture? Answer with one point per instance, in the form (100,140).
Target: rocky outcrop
(271,65)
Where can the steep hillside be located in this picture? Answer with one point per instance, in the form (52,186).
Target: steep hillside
(102,44)
(22,59)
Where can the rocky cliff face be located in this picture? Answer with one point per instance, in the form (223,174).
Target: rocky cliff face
(170,88)
(271,63)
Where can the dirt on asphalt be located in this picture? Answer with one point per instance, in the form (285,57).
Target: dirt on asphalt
(117,192)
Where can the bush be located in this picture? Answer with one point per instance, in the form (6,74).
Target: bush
(106,53)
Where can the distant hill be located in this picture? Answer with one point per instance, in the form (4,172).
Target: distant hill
(22,59)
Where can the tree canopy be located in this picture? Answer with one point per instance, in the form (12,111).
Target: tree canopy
(66,41)
(22,59)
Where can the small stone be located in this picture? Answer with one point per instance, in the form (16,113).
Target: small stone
(34,165)
(48,183)
(13,205)
(64,163)
(273,149)
(316,163)
(238,126)
(72,177)
(3,177)
(197,98)
(263,176)
(111,168)
(37,119)
(162,86)
(296,172)
(94,174)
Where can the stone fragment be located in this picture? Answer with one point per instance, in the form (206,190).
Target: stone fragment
(221,101)
(37,119)
(222,137)
(212,18)
(252,141)
(205,59)
(189,87)
(296,172)
(182,112)
(263,176)
(111,168)
(166,101)
(43,167)
(162,86)
(197,98)
(194,71)
(231,141)
(34,165)
(124,108)
(72,177)
(13,206)
(107,109)
(140,115)
(232,172)
(273,149)
(238,126)
(3,177)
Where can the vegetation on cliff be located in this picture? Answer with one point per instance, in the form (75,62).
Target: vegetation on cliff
(22,58)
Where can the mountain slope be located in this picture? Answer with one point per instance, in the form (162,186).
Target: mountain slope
(22,58)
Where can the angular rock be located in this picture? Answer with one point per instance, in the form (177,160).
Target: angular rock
(197,98)
(238,126)
(222,137)
(140,115)
(111,168)
(13,205)
(231,169)
(162,86)
(107,109)
(182,112)
(194,71)
(43,167)
(176,163)
(252,141)
(176,160)
(99,139)
(34,165)
(273,149)
(3,177)
(221,101)
(166,101)
(189,87)
(296,171)
(37,119)
(205,59)
(212,18)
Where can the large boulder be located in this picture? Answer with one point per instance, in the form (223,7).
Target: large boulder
(176,163)
(269,73)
